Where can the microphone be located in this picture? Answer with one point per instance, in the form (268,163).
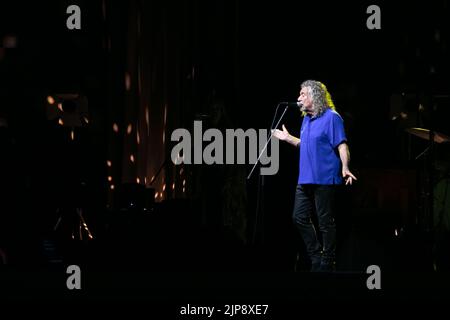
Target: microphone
(292,104)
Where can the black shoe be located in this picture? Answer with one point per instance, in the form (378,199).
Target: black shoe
(315,267)
(326,267)
(315,263)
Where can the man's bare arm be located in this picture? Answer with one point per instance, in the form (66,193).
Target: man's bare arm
(284,135)
(344,154)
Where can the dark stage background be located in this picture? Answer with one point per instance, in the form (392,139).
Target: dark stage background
(138,70)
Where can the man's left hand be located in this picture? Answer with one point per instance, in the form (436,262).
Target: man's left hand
(348,176)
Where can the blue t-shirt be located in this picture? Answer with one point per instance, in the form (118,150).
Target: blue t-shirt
(319,156)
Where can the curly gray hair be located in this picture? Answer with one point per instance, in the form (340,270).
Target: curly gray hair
(321,98)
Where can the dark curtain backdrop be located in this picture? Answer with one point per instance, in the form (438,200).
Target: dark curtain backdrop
(171,63)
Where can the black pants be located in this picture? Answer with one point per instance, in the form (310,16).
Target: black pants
(322,199)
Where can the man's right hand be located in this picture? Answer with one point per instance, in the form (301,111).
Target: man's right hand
(285,136)
(282,135)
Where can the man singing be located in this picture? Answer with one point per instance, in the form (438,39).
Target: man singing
(324,164)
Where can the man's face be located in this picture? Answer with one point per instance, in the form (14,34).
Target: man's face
(305,99)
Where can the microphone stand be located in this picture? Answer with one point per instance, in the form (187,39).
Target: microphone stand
(269,137)
(259,215)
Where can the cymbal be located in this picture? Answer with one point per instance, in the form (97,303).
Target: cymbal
(425,134)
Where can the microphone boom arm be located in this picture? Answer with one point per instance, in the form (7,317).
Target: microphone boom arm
(270,136)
